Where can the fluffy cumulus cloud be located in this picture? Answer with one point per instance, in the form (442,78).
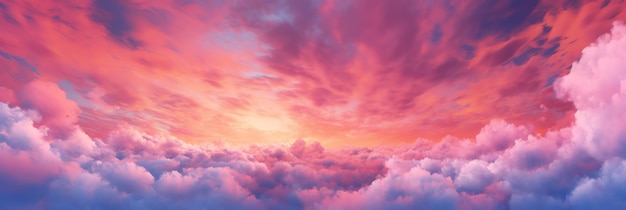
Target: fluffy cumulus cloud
(48,162)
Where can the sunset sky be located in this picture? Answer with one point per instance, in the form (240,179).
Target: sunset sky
(312,104)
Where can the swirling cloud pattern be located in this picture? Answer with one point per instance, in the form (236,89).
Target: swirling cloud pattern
(312,104)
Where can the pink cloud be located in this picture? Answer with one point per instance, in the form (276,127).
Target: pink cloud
(7,95)
(49,162)
(600,102)
(333,70)
(58,113)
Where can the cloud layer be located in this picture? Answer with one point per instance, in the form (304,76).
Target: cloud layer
(47,161)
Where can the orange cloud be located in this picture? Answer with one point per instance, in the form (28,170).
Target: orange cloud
(342,73)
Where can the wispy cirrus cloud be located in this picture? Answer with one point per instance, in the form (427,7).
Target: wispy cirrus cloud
(330,71)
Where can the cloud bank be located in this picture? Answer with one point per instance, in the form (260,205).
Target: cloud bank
(48,162)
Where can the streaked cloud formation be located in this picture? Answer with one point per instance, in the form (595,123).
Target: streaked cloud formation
(47,161)
(338,72)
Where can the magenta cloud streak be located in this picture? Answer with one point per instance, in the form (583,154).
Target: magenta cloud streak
(48,162)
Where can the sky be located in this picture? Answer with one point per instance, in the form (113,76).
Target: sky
(312,104)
